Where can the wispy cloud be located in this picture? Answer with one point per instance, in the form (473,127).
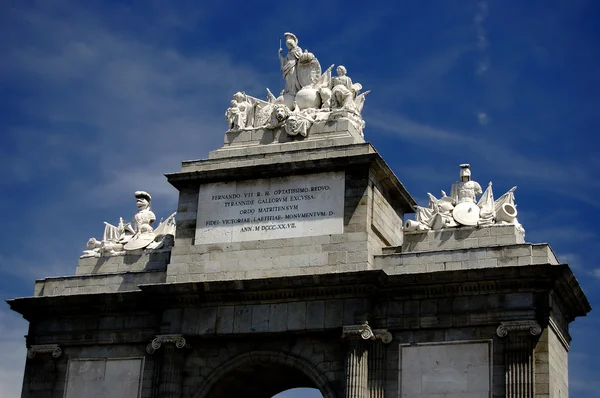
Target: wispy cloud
(575,180)
(483,118)
(106,113)
(483,63)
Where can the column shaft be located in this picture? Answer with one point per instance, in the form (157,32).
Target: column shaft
(377,370)
(42,377)
(519,367)
(171,376)
(357,370)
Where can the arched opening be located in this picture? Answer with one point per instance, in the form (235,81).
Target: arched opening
(300,393)
(264,375)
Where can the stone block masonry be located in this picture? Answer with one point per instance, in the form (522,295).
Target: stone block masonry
(371,200)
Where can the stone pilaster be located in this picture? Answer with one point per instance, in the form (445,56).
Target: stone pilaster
(518,357)
(365,361)
(377,370)
(43,374)
(171,364)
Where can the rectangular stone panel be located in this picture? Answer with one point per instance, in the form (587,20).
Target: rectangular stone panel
(104,378)
(446,370)
(272,208)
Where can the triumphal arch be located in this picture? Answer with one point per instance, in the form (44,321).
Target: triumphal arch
(290,263)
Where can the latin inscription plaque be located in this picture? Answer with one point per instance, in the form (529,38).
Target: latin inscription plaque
(272,208)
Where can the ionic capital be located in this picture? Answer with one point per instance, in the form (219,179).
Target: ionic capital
(160,339)
(365,332)
(44,349)
(518,326)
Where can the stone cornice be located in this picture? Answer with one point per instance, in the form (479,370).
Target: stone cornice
(374,285)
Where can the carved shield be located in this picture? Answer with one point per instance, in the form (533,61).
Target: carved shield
(139,241)
(308,73)
(466,213)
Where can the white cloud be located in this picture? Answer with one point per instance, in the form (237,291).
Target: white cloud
(483,118)
(12,346)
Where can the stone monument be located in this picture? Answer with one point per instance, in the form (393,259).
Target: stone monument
(293,265)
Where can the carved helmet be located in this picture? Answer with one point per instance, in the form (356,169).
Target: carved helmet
(143,194)
(290,36)
(465,171)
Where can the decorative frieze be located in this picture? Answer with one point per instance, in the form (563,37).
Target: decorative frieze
(365,332)
(44,349)
(176,339)
(518,326)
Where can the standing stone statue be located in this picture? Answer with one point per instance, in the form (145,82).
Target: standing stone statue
(299,69)
(462,207)
(144,233)
(119,239)
(464,194)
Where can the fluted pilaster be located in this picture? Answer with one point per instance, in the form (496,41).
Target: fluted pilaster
(43,374)
(365,361)
(377,370)
(357,369)
(518,357)
(170,377)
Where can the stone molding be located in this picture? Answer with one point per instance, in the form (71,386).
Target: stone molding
(365,332)
(176,339)
(559,333)
(518,326)
(43,349)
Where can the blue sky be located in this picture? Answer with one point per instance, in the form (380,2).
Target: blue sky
(100,98)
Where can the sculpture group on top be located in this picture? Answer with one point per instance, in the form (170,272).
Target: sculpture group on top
(463,208)
(309,96)
(119,239)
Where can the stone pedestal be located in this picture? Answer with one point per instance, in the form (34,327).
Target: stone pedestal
(316,210)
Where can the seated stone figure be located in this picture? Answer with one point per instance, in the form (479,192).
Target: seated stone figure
(237,113)
(344,91)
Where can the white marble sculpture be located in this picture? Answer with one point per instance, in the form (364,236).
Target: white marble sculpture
(463,208)
(309,96)
(238,112)
(345,93)
(125,237)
